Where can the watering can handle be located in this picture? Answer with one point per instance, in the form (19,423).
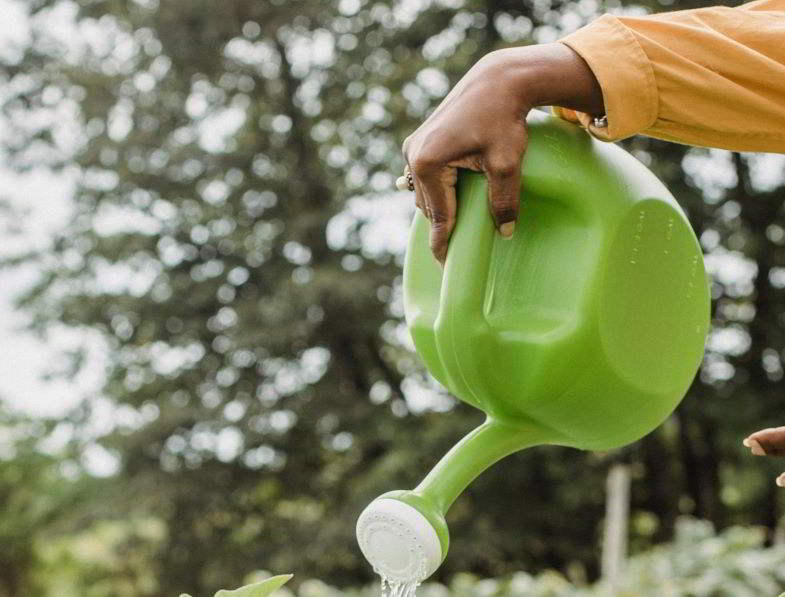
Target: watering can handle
(467,263)
(545,168)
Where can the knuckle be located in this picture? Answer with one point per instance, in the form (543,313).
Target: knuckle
(422,162)
(503,167)
(442,222)
(438,245)
(440,219)
(427,155)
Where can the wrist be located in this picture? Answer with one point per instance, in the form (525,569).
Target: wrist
(550,75)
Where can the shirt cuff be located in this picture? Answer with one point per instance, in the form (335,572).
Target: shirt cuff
(625,75)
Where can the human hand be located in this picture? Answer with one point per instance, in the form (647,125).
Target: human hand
(768,442)
(481,125)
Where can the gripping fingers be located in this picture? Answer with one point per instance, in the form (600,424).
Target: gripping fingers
(502,166)
(504,182)
(438,188)
(419,199)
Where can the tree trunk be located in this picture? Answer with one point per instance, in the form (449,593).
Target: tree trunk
(617,511)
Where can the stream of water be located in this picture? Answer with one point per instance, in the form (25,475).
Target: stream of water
(392,588)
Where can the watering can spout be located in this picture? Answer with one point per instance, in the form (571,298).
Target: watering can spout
(403,534)
(482,447)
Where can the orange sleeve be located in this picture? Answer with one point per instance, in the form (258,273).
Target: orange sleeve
(709,76)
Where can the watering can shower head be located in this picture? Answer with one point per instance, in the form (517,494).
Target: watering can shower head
(398,541)
(585,329)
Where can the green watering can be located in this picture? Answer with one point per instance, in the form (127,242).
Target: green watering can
(585,329)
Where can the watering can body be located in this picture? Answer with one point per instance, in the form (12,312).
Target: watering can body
(584,329)
(590,321)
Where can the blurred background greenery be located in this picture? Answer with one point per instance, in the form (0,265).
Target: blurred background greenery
(228,274)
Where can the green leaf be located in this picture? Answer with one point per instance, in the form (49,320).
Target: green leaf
(259,589)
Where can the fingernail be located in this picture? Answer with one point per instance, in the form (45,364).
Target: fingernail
(756,448)
(507,229)
(746,443)
(780,481)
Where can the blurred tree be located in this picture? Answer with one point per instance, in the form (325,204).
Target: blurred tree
(36,493)
(231,160)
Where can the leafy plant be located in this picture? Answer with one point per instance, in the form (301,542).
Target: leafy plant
(258,589)
(698,563)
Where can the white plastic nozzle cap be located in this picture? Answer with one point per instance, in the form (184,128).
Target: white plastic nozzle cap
(398,541)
